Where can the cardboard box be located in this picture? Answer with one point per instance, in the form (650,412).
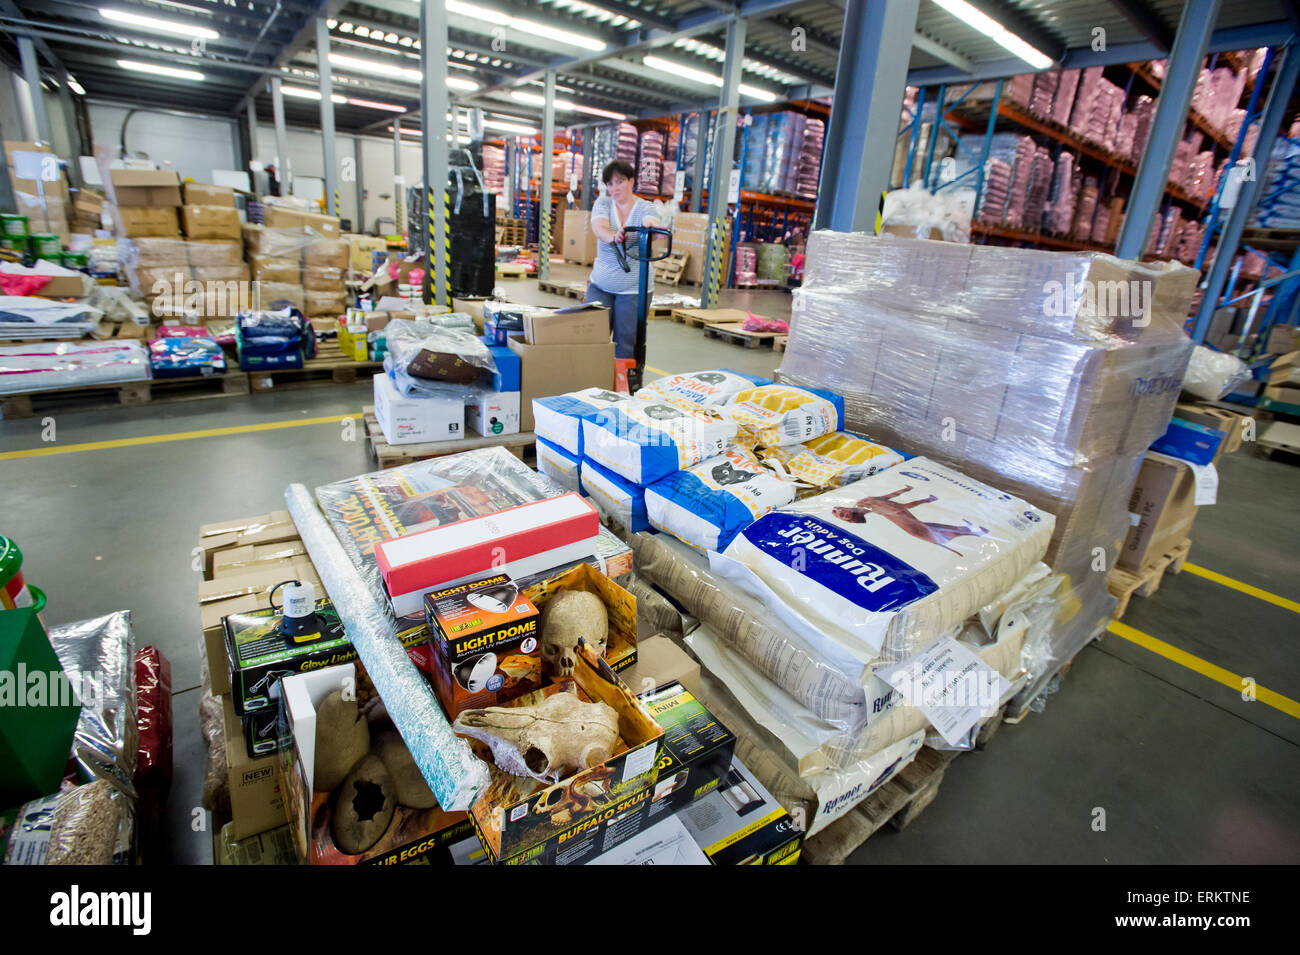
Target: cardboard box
(1285,369)
(1282,339)
(214,253)
(144,187)
(492,413)
(273,528)
(696,753)
(64,286)
(1189,441)
(1233,425)
(485,640)
(521,820)
(579,241)
(1163,503)
(741,823)
(203,194)
(322,278)
(267,268)
(255,798)
(327,253)
(273,847)
(361,249)
(575,325)
(210,222)
(279,243)
(413,836)
(279,217)
(505,377)
(254,557)
(1283,394)
(559,369)
(659,662)
(153,252)
(134,222)
(519,540)
(416,420)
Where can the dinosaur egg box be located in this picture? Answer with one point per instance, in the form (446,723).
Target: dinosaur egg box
(485,637)
(521,819)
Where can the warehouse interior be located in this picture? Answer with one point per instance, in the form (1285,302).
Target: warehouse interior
(1001,297)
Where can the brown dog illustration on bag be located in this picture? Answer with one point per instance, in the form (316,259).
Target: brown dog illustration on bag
(901,516)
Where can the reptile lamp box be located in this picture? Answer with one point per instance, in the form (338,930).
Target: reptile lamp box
(740,823)
(255,795)
(412,836)
(696,754)
(521,820)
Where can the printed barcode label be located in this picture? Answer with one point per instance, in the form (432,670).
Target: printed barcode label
(792,426)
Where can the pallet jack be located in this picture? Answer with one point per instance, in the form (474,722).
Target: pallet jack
(643,252)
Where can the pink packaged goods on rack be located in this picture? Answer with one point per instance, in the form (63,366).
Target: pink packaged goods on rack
(1063,100)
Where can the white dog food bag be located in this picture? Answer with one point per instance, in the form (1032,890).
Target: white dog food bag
(833,460)
(559,465)
(558,418)
(646,440)
(700,389)
(612,495)
(889,562)
(775,415)
(707,504)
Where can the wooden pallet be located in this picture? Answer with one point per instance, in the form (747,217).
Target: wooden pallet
(703,317)
(576,290)
(896,804)
(1279,436)
(330,366)
(125,394)
(1015,716)
(668,271)
(736,335)
(1124,584)
(394,455)
(779,343)
(511,270)
(660,311)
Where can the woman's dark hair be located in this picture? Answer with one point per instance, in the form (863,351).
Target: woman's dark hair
(619,167)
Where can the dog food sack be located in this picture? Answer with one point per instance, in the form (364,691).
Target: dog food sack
(558,418)
(615,496)
(701,389)
(775,415)
(833,460)
(644,441)
(709,503)
(888,562)
(559,465)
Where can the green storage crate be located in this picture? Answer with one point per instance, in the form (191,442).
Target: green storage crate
(35,730)
(46,245)
(13,227)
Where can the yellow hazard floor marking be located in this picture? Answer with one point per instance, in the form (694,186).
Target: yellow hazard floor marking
(175,436)
(1264,595)
(1204,667)
(657,371)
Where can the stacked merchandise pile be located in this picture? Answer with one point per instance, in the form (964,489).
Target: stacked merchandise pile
(604,150)
(1103,115)
(690,234)
(625,143)
(44,202)
(299,258)
(1044,96)
(810,159)
(87,205)
(1062,407)
(1020,89)
(1189,241)
(1060,211)
(997,187)
(755,149)
(1063,101)
(1100,224)
(1085,101)
(746,271)
(1279,197)
(494,169)
(783,153)
(1085,209)
(1008,176)
(649,170)
(1022,171)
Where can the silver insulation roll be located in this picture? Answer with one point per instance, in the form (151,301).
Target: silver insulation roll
(453,772)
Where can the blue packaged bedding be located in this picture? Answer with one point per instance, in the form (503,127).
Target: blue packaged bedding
(615,496)
(559,465)
(558,418)
(184,356)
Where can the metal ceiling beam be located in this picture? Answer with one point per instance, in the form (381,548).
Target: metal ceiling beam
(816,41)
(936,49)
(1146,21)
(647,18)
(305,35)
(88,14)
(49,32)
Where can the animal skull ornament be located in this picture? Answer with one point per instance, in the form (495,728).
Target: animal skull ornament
(570,616)
(548,740)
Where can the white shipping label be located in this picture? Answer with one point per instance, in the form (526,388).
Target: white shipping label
(679,185)
(1207,484)
(639,761)
(733,188)
(569,197)
(949,684)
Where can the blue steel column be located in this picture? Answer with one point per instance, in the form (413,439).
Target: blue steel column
(326,83)
(869,85)
(1185,59)
(1284,82)
(31,67)
(701,147)
(544,194)
(588,174)
(434,107)
(914,138)
(724,154)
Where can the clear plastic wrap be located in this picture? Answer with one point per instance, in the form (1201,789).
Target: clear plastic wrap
(1043,374)
(437,354)
(1212,374)
(98,657)
(152,253)
(214,253)
(46,365)
(385,504)
(948,210)
(454,774)
(90,825)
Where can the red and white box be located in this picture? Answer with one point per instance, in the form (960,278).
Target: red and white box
(519,541)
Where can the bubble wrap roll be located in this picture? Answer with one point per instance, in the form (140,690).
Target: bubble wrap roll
(454,774)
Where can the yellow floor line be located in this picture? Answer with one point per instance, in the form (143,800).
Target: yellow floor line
(175,436)
(654,370)
(1204,667)
(1218,578)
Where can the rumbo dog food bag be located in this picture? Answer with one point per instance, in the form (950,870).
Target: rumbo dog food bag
(886,563)
(700,389)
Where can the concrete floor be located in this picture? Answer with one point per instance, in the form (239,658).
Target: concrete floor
(1186,771)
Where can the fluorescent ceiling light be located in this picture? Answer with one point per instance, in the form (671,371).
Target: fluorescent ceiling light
(497,18)
(509,127)
(394,72)
(156,25)
(995,31)
(141,67)
(371,104)
(536,99)
(456,83)
(75,86)
(302,93)
(706,79)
